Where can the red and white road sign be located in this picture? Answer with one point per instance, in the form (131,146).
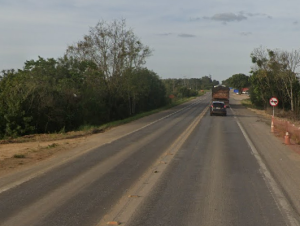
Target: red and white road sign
(273,101)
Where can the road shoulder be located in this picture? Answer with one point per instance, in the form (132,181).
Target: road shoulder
(282,160)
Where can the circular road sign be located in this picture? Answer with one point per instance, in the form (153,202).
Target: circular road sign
(273,101)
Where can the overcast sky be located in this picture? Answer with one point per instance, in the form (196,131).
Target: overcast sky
(190,38)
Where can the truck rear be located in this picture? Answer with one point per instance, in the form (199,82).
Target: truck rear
(221,93)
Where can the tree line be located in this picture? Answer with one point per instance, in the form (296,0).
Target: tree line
(99,79)
(183,87)
(274,74)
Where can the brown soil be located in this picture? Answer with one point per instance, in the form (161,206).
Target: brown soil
(27,150)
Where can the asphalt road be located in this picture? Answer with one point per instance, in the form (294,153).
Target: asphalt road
(214,180)
(179,167)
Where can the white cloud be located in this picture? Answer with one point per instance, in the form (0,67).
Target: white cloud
(228,17)
(186,35)
(165,34)
(246,33)
(232,17)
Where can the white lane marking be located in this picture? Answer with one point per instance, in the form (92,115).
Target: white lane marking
(276,193)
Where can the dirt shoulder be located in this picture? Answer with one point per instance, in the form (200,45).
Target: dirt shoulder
(28,150)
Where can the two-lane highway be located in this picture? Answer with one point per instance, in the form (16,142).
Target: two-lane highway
(214,180)
(82,191)
(184,167)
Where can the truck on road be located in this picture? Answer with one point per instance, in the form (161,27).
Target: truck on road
(221,93)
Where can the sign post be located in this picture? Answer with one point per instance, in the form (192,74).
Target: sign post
(273,102)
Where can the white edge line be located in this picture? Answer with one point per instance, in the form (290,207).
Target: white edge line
(277,194)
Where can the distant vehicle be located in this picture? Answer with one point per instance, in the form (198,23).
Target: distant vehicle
(221,93)
(245,90)
(218,108)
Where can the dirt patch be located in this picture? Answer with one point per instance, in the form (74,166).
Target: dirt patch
(28,150)
(262,113)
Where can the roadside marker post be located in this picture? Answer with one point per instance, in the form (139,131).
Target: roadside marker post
(273,102)
(287,138)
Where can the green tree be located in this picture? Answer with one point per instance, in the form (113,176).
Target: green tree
(144,91)
(275,75)
(115,50)
(239,81)
(206,82)
(13,96)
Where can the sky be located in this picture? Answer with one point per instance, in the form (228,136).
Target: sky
(189,39)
